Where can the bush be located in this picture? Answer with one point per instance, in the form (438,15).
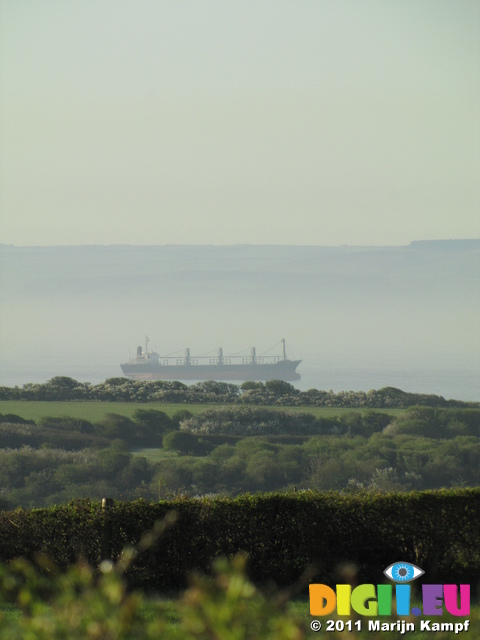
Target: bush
(185,443)
(84,603)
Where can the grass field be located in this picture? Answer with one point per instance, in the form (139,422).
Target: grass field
(95,411)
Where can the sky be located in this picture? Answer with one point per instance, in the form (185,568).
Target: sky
(319,122)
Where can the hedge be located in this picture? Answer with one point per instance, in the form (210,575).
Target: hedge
(282,534)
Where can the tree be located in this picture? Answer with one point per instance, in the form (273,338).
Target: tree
(182,441)
(179,416)
(281,388)
(217,388)
(250,385)
(63,382)
(114,459)
(66,423)
(152,422)
(117,426)
(116,382)
(65,388)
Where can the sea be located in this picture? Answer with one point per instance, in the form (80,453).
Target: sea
(360,318)
(450,383)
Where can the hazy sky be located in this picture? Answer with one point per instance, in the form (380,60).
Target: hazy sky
(257,121)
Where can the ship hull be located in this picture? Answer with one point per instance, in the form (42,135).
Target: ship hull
(282,370)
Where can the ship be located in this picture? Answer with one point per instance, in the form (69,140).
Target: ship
(149,365)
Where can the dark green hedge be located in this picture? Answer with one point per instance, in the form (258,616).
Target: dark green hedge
(282,535)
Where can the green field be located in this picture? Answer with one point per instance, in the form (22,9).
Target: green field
(95,411)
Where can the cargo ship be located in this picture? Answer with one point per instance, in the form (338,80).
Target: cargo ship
(149,365)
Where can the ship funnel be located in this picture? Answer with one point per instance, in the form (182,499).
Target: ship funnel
(253,354)
(139,351)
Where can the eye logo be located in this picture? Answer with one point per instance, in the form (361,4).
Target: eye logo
(403,572)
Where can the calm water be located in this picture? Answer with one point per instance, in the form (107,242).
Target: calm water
(453,383)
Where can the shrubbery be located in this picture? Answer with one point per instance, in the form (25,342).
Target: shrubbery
(281,534)
(273,392)
(43,601)
(87,604)
(243,421)
(229,451)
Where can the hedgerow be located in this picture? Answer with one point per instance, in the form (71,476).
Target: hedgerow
(282,535)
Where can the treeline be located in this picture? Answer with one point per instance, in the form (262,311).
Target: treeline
(236,450)
(273,392)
